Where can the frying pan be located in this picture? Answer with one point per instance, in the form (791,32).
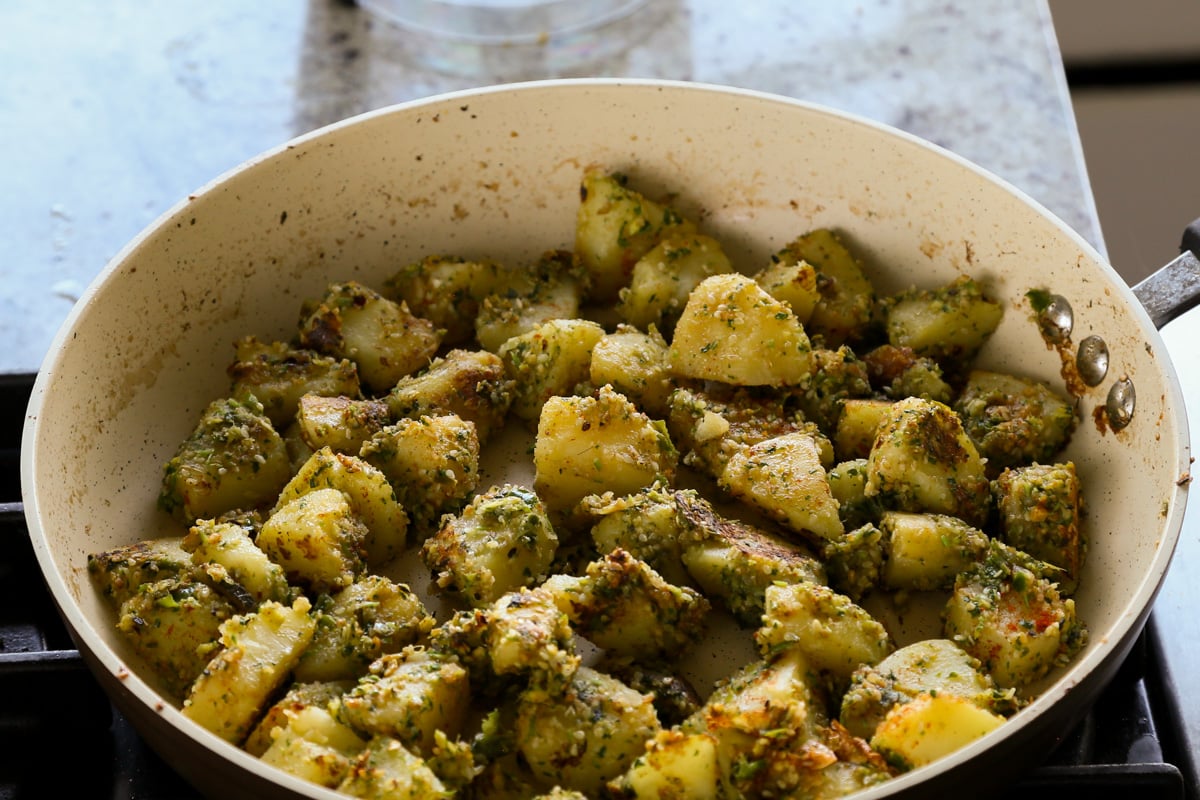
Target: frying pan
(494,173)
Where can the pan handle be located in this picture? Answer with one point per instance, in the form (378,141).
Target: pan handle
(1174,288)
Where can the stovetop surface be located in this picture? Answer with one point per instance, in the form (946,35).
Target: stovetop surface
(51,707)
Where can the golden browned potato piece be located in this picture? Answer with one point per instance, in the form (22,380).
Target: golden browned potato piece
(340,423)
(784,478)
(257,655)
(384,339)
(553,287)
(736,562)
(845,311)
(664,277)
(553,359)
(1039,509)
(278,375)
(447,291)
(369,493)
(317,539)
(503,540)
(934,666)
(922,460)
(949,324)
(615,226)
(410,696)
(233,459)
(732,331)
(587,445)
(470,383)
(588,735)
(432,464)
(358,624)
(636,364)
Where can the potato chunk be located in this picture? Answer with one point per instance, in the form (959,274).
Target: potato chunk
(410,695)
(119,572)
(358,624)
(230,547)
(233,459)
(526,298)
(836,377)
(712,424)
(469,383)
(615,227)
(258,653)
(949,324)
(857,425)
(299,697)
(551,360)
(848,485)
(783,476)
(340,423)
(646,523)
(675,766)
(387,769)
(922,460)
(664,277)
(929,727)
(594,444)
(586,737)
(317,540)
(174,623)
(835,634)
(931,666)
(636,364)
(527,633)
(1013,420)
(1012,620)
(367,490)
(845,311)
(732,331)
(278,375)
(623,606)
(855,562)
(446,290)
(736,562)
(432,464)
(523,635)
(777,696)
(792,281)
(314,746)
(927,551)
(898,372)
(1039,509)
(384,339)
(503,540)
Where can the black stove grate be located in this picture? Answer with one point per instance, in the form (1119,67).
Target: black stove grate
(59,734)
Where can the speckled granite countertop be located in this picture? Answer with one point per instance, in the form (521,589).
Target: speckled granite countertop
(111,112)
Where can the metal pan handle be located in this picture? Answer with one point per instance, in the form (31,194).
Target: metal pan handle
(1175,288)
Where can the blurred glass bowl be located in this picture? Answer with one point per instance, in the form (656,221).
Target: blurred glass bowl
(511,39)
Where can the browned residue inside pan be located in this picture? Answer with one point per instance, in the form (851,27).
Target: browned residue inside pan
(1069,371)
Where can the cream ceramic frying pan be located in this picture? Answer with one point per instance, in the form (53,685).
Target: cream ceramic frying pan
(495,173)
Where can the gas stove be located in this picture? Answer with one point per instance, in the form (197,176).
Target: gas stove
(59,733)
